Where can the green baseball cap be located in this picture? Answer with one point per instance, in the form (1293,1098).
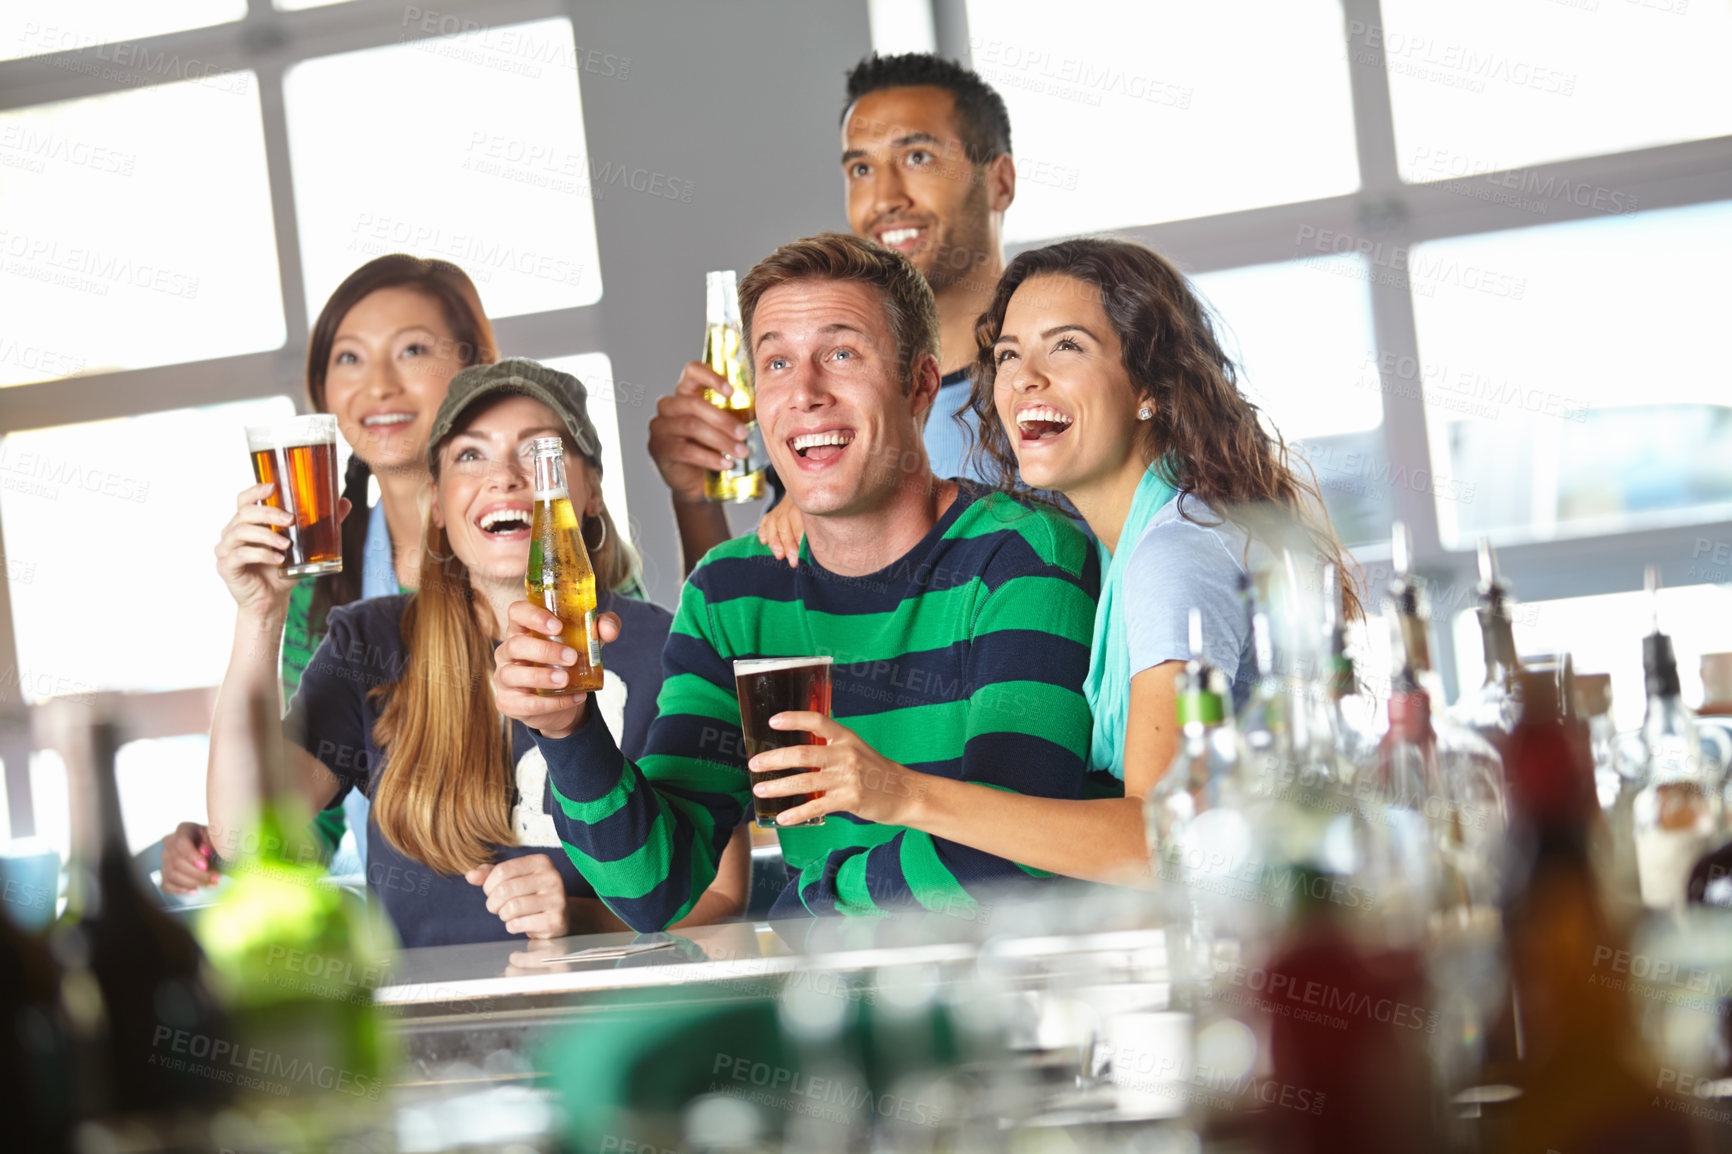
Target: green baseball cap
(518,376)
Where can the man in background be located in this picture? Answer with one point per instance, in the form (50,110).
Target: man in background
(927,171)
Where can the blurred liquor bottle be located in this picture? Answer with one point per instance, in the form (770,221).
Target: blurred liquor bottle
(1580,1078)
(1431,766)
(134,981)
(1207,777)
(1678,814)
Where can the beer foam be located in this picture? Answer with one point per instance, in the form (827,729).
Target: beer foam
(773,664)
(292,433)
(560,494)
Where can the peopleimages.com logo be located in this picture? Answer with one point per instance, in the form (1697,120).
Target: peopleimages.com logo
(275,1073)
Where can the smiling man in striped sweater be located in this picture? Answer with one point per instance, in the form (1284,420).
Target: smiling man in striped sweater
(959,621)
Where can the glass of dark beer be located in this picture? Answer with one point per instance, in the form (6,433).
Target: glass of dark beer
(773,685)
(299,457)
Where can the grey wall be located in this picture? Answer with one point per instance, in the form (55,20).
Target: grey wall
(741,99)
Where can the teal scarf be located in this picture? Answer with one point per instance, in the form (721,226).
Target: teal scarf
(1109,680)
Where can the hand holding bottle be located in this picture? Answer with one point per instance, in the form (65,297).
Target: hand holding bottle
(690,436)
(527,666)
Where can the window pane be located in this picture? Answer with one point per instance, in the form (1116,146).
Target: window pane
(145,610)
(137,231)
(48,799)
(38,27)
(161,784)
(1479,85)
(901,26)
(1605,635)
(160,781)
(1127,114)
(1577,373)
(1301,334)
(475,155)
(605,399)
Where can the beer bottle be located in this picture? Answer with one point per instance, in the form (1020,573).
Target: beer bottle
(297,959)
(744,481)
(560,578)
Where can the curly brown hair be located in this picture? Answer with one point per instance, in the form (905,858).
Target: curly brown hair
(1210,438)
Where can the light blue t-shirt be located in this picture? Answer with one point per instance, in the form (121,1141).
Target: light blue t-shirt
(1177,564)
(378,567)
(951,428)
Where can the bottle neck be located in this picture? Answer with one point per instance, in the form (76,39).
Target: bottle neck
(550,475)
(722,299)
(1199,709)
(1668,716)
(1414,637)
(1501,663)
(1547,762)
(1319,704)
(280,834)
(99,852)
(1263,646)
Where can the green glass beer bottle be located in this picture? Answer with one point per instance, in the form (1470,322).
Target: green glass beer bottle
(298,959)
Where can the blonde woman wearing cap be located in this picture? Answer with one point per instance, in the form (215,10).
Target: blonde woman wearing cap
(396,701)
(379,358)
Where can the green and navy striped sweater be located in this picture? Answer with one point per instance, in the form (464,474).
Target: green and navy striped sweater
(965,658)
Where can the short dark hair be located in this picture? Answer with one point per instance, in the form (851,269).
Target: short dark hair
(836,256)
(980,114)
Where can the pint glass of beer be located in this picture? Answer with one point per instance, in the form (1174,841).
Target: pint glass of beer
(299,457)
(773,685)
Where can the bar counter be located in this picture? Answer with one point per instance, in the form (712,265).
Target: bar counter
(482,1026)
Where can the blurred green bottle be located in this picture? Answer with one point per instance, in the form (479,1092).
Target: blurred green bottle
(297,960)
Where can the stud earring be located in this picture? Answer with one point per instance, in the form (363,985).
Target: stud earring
(1145,413)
